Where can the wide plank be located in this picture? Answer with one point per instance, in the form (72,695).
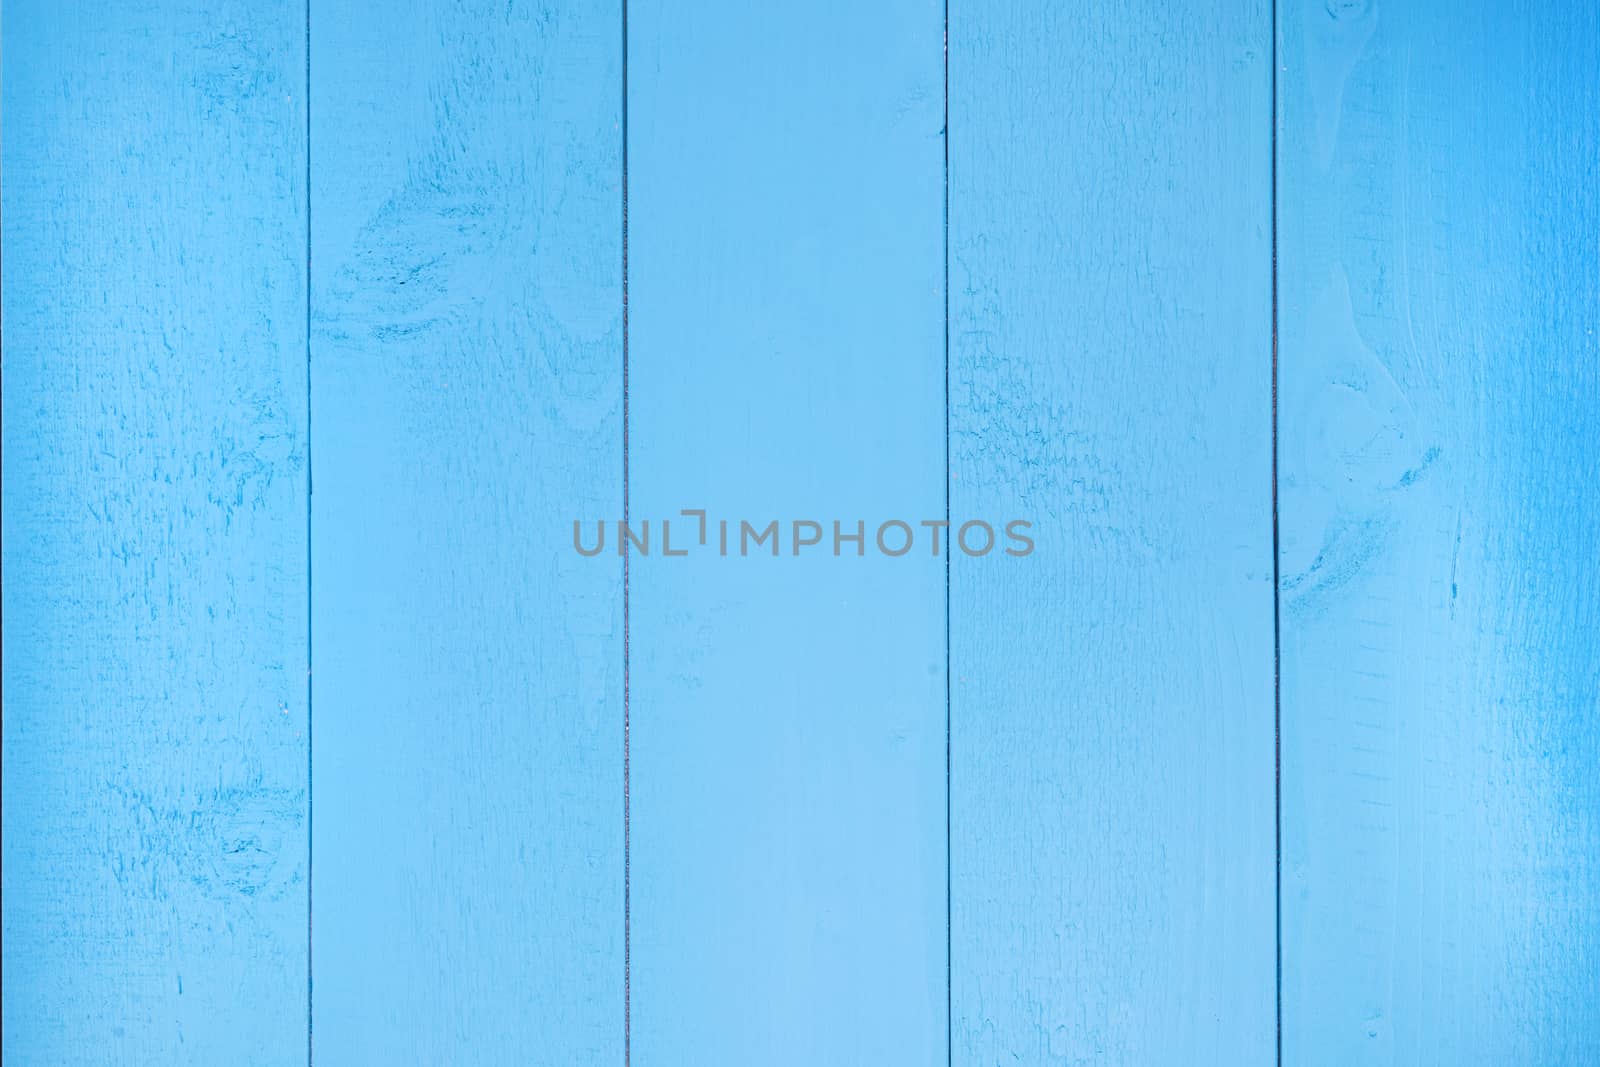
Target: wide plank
(785,183)
(155,651)
(466,404)
(1111,712)
(1440,427)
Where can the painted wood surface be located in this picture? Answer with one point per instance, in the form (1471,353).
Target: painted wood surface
(1111,706)
(441,846)
(154,534)
(467,353)
(785,178)
(1440,384)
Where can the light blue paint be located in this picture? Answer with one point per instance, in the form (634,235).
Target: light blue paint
(154,534)
(786,325)
(1111,695)
(467,355)
(1111,852)
(1440,371)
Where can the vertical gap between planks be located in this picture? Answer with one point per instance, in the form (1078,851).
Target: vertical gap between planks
(949,972)
(627,824)
(310,784)
(1277,640)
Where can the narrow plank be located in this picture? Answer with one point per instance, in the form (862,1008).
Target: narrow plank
(466,404)
(154,533)
(1440,376)
(787,715)
(1111,694)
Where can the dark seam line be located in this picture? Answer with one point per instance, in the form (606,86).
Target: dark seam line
(627,821)
(949,973)
(310,781)
(1277,632)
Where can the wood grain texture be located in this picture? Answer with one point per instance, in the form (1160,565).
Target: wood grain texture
(785,189)
(1111,694)
(466,408)
(1440,383)
(154,534)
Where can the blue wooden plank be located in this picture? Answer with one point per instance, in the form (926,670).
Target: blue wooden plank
(1111,694)
(786,362)
(154,533)
(1440,413)
(467,350)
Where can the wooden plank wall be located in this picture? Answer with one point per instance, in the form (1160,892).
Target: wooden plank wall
(324,322)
